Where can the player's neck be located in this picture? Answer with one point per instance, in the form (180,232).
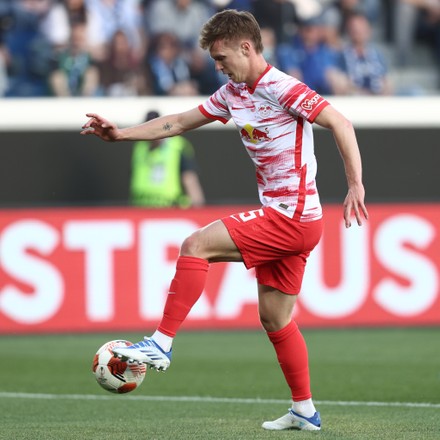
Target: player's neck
(257,68)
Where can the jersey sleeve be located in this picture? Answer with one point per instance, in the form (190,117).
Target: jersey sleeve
(216,106)
(297,98)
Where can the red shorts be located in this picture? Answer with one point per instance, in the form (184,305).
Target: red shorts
(276,245)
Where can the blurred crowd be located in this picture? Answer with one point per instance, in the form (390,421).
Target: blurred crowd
(150,47)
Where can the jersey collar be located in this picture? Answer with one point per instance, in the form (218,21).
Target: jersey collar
(254,86)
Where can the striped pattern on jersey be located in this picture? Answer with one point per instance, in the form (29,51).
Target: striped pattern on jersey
(275,119)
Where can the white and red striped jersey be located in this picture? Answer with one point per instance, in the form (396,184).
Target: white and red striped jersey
(275,123)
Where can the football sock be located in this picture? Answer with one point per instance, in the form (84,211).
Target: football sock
(163,341)
(304,408)
(291,351)
(185,289)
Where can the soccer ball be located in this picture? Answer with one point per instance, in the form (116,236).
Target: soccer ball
(113,374)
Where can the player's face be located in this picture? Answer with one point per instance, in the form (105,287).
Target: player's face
(232,59)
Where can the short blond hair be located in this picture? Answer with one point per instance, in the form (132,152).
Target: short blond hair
(231,25)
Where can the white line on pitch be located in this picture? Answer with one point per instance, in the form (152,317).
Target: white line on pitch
(12,395)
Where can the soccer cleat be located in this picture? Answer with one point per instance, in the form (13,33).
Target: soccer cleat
(145,352)
(293,420)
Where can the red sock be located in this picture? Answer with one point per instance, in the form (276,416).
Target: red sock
(185,289)
(291,351)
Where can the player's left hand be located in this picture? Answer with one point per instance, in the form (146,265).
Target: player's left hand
(354,203)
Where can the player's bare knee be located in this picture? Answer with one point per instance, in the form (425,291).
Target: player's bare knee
(271,322)
(191,246)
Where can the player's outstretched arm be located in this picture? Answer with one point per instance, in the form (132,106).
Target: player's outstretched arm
(346,142)
(159,128)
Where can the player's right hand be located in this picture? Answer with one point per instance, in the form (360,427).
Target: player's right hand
(104,129)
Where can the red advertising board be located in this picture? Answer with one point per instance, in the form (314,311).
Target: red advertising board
(96,269)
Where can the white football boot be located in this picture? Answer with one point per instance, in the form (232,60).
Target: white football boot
(293,420)
(145,352)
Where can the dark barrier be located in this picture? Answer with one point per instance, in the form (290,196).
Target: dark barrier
(64,168)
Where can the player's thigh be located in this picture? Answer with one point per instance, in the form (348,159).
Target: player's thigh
(285,274)
(212,243)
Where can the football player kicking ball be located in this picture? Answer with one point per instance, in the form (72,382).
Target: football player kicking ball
(274,113)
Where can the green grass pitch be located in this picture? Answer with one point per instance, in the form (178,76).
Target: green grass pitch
(367,384)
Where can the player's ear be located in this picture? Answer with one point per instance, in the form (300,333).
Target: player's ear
(245,47)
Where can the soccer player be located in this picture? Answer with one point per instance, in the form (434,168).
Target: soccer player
(274,114)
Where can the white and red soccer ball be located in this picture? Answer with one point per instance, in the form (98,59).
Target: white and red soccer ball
(113,374)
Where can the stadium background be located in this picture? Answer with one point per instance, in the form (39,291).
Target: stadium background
(57,187)
(78,267)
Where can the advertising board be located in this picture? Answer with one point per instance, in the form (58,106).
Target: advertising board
(99,269)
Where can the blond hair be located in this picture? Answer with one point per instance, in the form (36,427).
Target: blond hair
(231,25)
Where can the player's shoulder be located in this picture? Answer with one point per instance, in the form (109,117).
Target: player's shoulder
(278,82)
(276,77)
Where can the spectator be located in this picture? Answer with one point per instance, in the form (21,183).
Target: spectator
(106,17)
(184,18)
(76,11)
(5,20)
(370,8)
(75,73)
(55,24)
(49,17)
(332,26)
(309,59)
(280,15)
(364,63)
(333,14)
(169,69)
(30,53)
(239,5)
(3,71)
(202,71)
(120,71)
(164,173)
(416,19)
(269,40)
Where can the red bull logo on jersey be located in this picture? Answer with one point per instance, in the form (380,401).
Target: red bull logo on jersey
(254,135)
(265,110)
(308,104)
